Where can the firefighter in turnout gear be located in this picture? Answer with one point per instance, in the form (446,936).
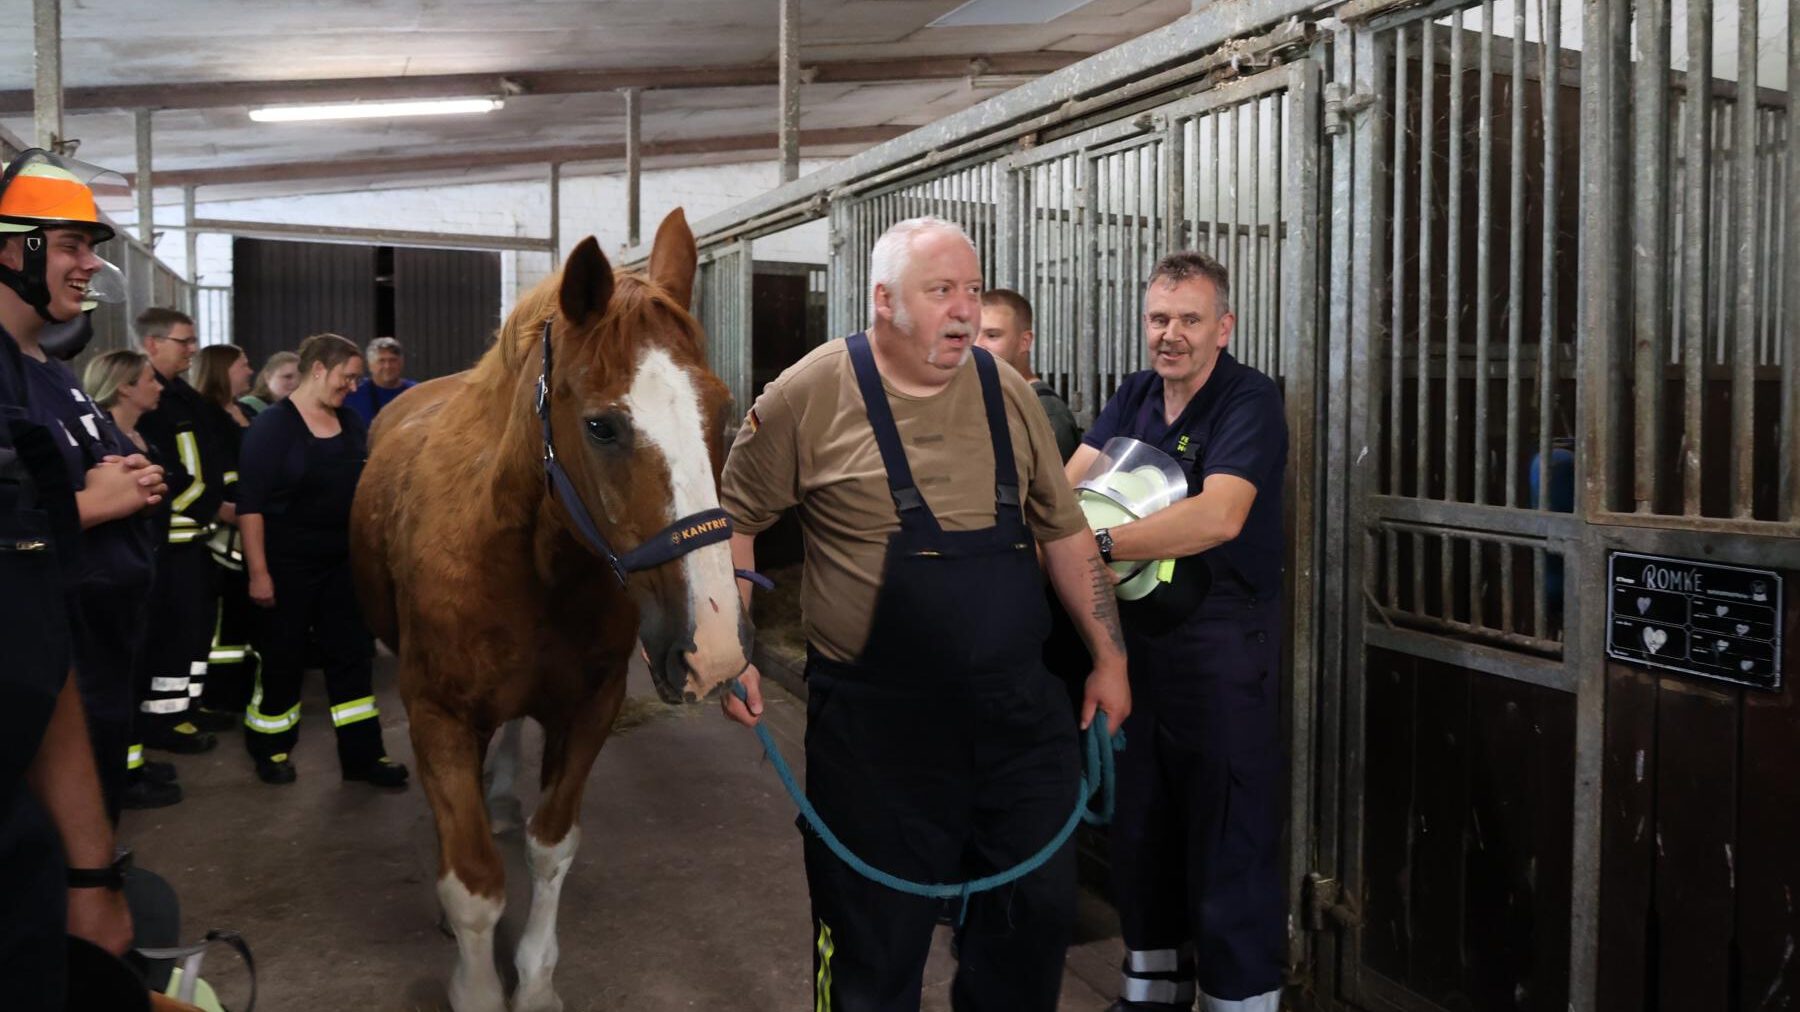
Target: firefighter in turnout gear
(1195,841)
(183,609)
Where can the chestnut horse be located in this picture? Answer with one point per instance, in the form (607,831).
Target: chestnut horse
(497,601)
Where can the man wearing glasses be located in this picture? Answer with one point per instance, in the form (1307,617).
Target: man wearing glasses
(186,592)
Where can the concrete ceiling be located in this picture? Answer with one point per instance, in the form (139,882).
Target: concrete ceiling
(126,51)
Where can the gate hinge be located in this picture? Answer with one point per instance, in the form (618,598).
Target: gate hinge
(1326,907)
(1340,104)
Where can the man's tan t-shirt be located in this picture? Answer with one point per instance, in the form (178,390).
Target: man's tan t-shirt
(807,443)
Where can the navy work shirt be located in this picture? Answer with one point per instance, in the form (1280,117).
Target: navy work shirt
(368,400)
(119,553)
(1234,425)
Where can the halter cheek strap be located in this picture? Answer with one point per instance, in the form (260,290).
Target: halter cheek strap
(694,531)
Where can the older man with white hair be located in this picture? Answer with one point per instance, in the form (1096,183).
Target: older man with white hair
(938,748)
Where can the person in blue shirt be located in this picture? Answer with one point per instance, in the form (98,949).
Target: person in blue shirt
(1195,840)
(387,361)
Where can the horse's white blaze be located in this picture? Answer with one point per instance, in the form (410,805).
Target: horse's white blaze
(536,958)
(665,408)
(475,986)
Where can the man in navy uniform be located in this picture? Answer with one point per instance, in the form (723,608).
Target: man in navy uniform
(1195,841)
(58,870)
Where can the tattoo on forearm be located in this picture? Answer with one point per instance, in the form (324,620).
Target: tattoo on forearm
(1106,604)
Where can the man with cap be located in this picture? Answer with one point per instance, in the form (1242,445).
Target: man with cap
(1195,837)
(938,748)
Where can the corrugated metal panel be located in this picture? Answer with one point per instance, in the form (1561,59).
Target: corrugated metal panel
(446,308)
(282,292)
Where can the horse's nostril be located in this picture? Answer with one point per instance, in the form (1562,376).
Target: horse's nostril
(715,605)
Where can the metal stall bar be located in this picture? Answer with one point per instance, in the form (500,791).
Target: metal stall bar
(1790,299)
(1743,355)
(1650,247)
(1397,318)
(1484,278)
(1515,299)
(1422,327)
(1695,205)
(1453,307)
(1550,25)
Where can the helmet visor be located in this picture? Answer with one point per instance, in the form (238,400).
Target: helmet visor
(106,285)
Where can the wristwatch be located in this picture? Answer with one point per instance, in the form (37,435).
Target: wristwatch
(1103,538)
(110,877)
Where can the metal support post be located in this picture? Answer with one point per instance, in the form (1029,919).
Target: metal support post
(634,167)
(146,194)
(190,236)
(48,90)
(556,215)
(790,90)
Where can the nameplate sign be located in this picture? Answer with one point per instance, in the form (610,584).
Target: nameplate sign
(1698,618)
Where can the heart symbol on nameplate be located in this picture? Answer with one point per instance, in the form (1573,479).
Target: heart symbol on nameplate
(1742,628)
(1746,664)
(1643,604)
(1654,638)
(1721,609)
(1720,645)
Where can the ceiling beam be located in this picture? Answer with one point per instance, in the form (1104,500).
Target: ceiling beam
(438,163)
(239,94)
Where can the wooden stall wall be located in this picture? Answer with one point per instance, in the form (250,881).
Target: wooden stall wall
(1700,841)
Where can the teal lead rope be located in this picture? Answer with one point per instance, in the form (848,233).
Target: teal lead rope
(1098,750)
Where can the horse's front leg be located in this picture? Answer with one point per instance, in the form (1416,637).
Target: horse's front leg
(471,880)
(550,842)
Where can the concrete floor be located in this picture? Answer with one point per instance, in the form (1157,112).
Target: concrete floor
(687,891)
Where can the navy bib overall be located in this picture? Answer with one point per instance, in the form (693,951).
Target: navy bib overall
(944,752)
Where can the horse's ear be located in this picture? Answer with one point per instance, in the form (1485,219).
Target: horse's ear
(587,282)
(672,257)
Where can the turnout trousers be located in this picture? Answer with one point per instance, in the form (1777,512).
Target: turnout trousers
(1195,840)
(231,660)
(944,752)
(108,623)
(316,599)
(183,603)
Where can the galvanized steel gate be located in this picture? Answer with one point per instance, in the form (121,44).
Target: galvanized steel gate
(1460,265)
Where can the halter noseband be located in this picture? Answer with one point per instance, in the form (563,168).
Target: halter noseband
(694,531)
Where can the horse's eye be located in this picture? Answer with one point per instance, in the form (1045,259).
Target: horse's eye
(602,430)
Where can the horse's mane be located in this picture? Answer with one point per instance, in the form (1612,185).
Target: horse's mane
(639,311)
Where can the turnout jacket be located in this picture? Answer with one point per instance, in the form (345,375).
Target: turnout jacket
(181,431)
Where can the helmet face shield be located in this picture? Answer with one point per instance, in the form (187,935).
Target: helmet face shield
(106,286)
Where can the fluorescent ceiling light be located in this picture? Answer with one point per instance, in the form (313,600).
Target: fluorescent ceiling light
(1007,12)
(374,110)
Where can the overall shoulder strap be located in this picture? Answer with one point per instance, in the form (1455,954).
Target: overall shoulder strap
(908,503)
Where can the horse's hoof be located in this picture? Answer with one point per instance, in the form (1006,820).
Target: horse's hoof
(532,998)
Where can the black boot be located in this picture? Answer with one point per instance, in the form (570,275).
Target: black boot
(183,739)
(216,721)
(276,769)
(383,772)
(158,772)
(141,792)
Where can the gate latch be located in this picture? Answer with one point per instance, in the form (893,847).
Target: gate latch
(1326,907)
(1341,104)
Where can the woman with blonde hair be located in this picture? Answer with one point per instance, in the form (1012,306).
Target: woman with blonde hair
(278,378)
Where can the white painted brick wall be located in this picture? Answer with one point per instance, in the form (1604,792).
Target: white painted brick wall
(591,205)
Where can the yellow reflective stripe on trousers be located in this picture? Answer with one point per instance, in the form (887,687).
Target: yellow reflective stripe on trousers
(189,449)
(353,711)
(134,757)
(822,983)
(257,720)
